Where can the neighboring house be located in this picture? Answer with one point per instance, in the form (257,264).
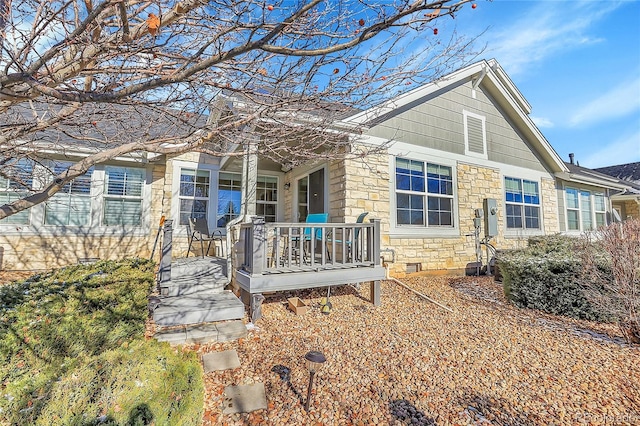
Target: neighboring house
(627,203)
(442,149)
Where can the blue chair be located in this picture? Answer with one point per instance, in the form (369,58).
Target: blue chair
(306,233)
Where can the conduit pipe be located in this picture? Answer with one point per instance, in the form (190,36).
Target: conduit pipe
(401,284)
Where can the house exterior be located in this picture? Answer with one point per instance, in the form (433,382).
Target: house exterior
(441,150)
(627,203)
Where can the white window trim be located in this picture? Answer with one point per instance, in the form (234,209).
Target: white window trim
(95,228)
(422,231)
(483,119)
(595,212)
(89,196)
(212,207)
(194,197)
(279,193)
(521,232)
(592,194)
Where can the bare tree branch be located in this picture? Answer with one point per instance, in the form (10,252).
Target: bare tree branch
(89,76)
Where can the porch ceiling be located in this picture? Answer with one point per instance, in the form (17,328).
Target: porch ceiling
(235,165)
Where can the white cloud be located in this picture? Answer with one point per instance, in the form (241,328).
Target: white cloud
(547,29)
(624,150)
(619,101)
(542,122)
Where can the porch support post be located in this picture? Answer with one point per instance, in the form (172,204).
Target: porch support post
(250,177)
(375,291)
(373,243)
(165,260)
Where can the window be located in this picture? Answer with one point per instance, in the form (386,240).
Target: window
(194,194)
(600,209)
(72,204)
(16,186)
(229,198)
(585,211)
(123,196)
(267,197)
(573,211)
(417,194)
(522,203)
(303,192)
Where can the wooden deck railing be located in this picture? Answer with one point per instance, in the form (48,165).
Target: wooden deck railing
(269,248)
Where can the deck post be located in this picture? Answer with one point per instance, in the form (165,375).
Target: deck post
(373,242)
(165,260)
(375,293)
(259,245)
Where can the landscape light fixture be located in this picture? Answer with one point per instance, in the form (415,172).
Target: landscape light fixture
(315,360)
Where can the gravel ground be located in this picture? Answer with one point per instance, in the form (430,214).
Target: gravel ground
(7,277)
(410,361)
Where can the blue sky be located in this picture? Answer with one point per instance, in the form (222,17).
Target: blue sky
(578,65)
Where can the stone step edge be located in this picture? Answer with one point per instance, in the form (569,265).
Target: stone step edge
(221,331)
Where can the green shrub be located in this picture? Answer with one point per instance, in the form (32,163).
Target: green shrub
(546,276)
(73,351)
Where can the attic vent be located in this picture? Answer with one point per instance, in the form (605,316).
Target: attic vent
(475,140)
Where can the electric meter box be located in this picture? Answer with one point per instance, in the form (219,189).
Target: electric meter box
(490,207)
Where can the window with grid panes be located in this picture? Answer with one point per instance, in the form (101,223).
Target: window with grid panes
(123,196)
(71,206)
(194,194)
(522,200)
(424,194)
(600,209)
(267,197)
(585,211)
(573,209)
(15,186)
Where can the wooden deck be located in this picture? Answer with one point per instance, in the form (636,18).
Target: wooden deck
(293,256)
(273,257)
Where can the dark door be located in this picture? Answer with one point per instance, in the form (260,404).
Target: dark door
(316,192)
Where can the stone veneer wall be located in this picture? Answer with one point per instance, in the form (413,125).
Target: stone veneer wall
(632,209)
(550,206)
(359,185)
(30,251)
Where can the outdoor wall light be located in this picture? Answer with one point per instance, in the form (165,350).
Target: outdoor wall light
(287,186)
(315,360)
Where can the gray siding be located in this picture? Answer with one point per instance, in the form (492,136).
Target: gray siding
(437,122)
(562,211)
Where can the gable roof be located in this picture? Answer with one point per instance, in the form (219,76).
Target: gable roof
(629,171)
(496,82)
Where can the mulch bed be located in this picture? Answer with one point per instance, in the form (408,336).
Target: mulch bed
(7,277)
(411,362)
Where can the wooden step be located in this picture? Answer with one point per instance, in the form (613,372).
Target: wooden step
(198,307)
